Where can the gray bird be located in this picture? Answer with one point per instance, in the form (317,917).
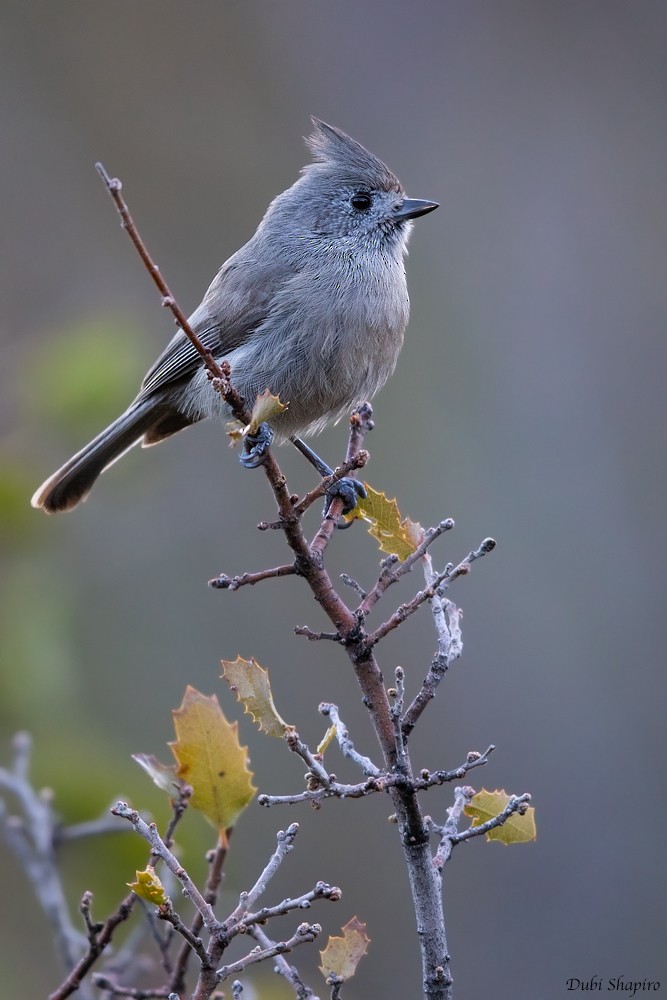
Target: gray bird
(313,307)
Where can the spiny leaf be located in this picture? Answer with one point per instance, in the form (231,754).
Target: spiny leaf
(267,406)
(518,829)
(396,536)
(149,887)
(251,685)
(342,954)
(211,760)
(163,775)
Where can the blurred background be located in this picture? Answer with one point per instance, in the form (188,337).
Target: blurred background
(529,404)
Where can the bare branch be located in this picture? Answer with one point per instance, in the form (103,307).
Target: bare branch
(114,187)
(285,842)
(321,891)
(224,582)
(105,982)
(304,630)
(440,583)
(216,859)
(32,839)
(303,935)
(287,971)
(346,744)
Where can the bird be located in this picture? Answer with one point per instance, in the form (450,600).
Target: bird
(313,308)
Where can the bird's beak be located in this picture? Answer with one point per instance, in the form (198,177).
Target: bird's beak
(414,207)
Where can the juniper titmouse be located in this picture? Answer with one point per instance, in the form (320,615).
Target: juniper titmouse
(313,307)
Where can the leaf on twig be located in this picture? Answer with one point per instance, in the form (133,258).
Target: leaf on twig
(251,685)
(342,955)
(518,829)
(396,536)
(163,775)
(211,760)
(267,406)
(324,743)
(149,887)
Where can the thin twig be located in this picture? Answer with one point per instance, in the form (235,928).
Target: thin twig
(303,935)
(440,582)
(285,842)
(158,847)
(287,971)
(224,582)
(393,570)
(381,783)
(216,859)
(346,745)
(105,982)
(316,636)
(32,838)
(114,187)
(321,891)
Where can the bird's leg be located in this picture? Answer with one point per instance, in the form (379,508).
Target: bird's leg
(349,490)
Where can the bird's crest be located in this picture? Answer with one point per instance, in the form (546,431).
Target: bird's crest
(332,148)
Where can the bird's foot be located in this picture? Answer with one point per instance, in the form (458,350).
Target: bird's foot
(349,490)
(256,447)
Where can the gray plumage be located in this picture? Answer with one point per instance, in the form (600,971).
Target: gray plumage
(313,307)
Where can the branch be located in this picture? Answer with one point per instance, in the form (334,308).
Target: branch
(321,891)
(114,187)
(382,783)
(160,850)
(285,842)
(282,967)
(224,582)
(449,833)
(303,935)
(32,838)
(446,618)
(392,570)
(440,582)
(216,859)
(346,744)
(105,982)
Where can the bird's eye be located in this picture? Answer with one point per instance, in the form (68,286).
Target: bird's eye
(361,201)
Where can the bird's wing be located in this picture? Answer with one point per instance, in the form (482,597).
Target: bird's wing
(237,302)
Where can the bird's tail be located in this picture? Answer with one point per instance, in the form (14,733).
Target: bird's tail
(71,484)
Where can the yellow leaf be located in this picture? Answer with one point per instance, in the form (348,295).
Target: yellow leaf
(399,537)
(211,760)
(265,409)
(324,743)
(251,685)
(518,829)
(149,887)
(342,954)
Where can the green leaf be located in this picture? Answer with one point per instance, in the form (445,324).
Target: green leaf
(149,887)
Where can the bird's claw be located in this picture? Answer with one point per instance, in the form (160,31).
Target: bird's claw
(256,447)
(349,490)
